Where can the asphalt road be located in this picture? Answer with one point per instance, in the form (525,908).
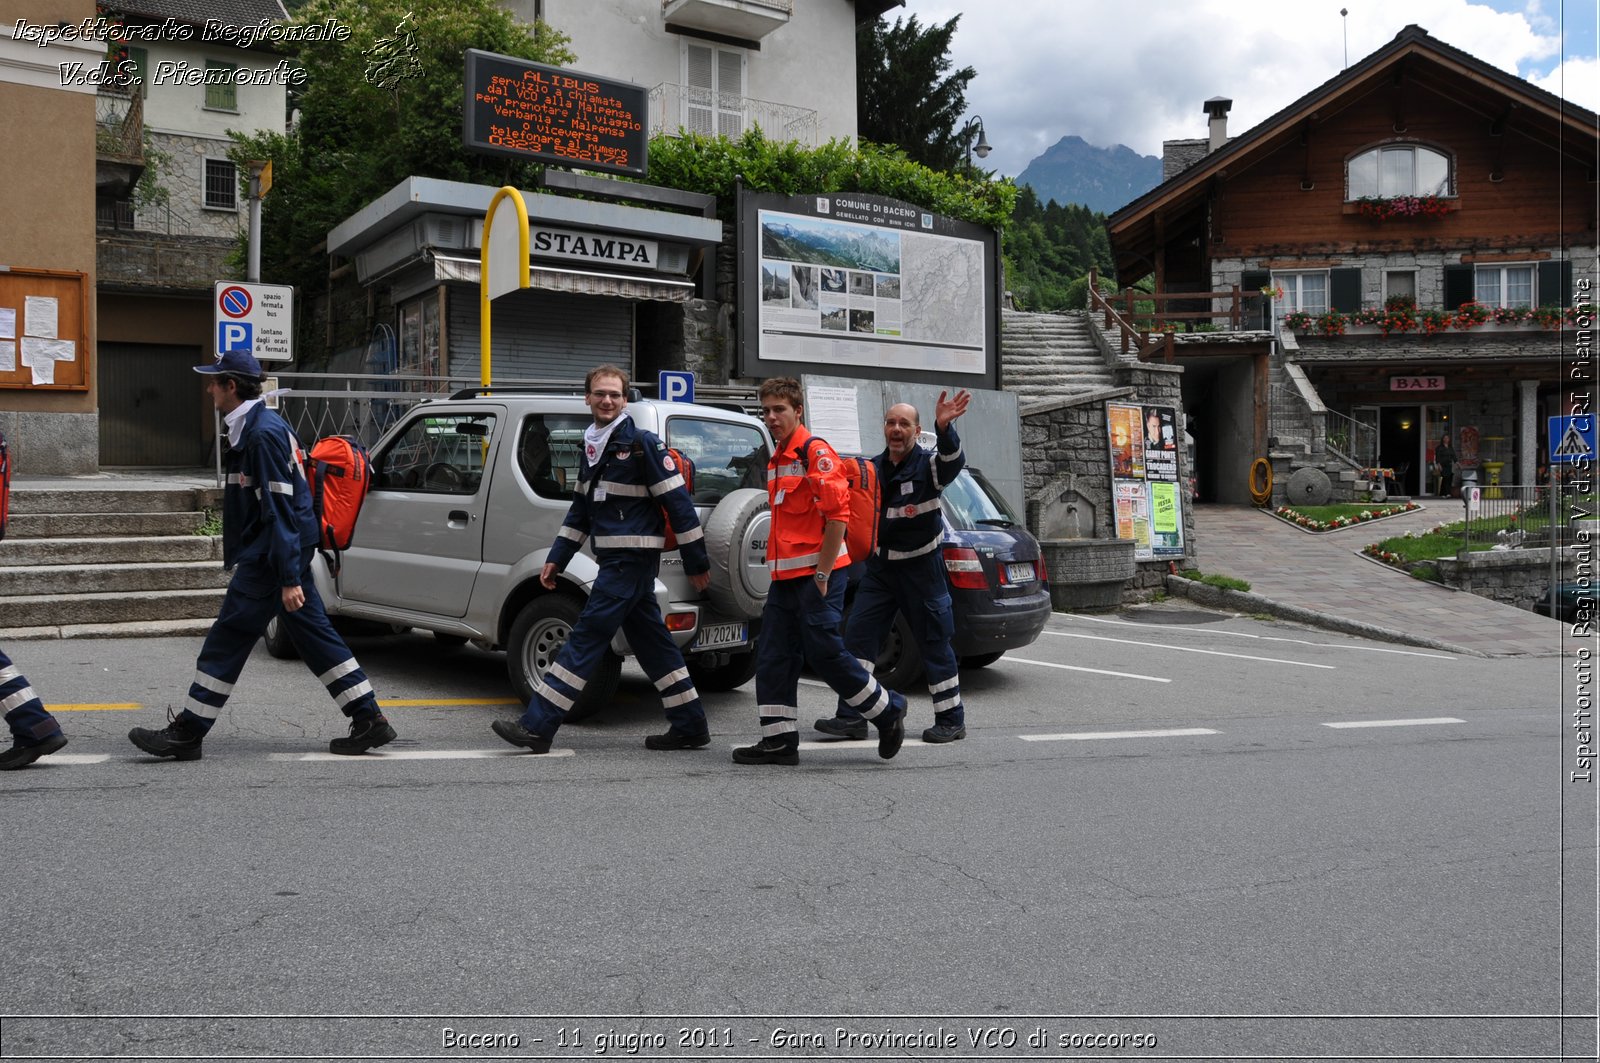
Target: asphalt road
(1248,881)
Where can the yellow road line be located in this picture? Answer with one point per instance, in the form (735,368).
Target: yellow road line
(109,706)
(406,703)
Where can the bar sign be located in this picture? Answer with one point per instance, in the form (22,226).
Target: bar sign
(1416,383)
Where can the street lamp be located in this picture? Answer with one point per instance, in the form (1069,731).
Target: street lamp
(974,129)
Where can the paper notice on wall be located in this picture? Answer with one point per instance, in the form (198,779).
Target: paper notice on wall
(39,316)
(44,371)
(831,413)
(8,322)
(35,350)
(8,356)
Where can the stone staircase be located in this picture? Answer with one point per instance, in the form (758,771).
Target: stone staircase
(1300,444)
(1047,355)
(81,562)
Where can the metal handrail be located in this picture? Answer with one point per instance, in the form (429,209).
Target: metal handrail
(1350,441)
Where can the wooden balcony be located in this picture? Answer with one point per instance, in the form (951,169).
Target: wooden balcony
(119,143)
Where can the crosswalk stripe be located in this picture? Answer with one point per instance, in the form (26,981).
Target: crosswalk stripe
(90,706)
(420,754)
(1095,671)
(1395,723)
(1177,732)
(859,745)
(1188,649)
(74,758)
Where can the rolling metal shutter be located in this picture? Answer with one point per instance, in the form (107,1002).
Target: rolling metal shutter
(541,335)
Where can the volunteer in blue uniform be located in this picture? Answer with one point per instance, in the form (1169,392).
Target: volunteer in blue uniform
(34,732)
(905,573)
(625,481)
(807,555)
(269,535)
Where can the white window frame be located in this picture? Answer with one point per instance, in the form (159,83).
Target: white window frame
(205,185)
(1294,290)
(1500,269)
(1380,192)
(725,113)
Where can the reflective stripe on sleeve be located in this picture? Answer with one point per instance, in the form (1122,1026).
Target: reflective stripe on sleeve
(951,457)
(280,488)
(671,483)
(569,532)
(693,535)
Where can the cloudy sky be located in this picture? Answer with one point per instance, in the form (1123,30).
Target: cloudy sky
(1135,72)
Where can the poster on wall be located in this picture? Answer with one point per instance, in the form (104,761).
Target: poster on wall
(1143,445)
(865,285)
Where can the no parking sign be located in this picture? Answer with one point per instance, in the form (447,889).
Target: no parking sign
(255,318)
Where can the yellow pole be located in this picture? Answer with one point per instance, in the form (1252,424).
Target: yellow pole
(506,193)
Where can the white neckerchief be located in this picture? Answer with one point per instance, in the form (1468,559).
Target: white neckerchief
(235,420)
(595,438)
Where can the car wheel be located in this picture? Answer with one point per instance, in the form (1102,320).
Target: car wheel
(900,661)
(736,542)
(540,631)
(279,644)
(736,672)
(444,638)
(982,660)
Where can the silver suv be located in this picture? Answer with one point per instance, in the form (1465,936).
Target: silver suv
(467,496)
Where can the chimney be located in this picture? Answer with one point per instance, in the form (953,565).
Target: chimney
(1217,107)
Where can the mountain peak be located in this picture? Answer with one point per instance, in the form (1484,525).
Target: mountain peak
(1103,179)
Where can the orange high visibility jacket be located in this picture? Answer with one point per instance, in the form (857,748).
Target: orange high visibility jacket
(803,500)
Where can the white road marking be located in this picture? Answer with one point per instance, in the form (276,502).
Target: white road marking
(74,758)
(1270,638)
(1187,649)
(1177,732)
(1080,668)
(862,745)
(1396,723)
(421,754)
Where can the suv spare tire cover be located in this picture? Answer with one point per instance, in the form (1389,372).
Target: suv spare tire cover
(736,541)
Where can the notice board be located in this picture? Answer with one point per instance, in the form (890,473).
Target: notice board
(44,329)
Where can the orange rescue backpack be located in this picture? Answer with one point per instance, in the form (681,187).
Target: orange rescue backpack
(339,474)
(865,499)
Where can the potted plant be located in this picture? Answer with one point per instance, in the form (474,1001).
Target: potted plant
(1470,315)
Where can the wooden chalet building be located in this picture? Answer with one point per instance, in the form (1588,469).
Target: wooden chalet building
(1420,173)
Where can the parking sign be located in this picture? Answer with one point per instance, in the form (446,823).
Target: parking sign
(255,318)
(676,387)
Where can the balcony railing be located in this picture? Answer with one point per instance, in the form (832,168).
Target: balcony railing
(678,107)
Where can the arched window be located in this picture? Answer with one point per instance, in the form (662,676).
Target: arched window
(1399,170)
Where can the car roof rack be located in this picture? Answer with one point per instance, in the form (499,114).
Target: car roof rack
(524,389)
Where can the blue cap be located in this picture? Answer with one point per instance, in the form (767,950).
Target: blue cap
(240,363)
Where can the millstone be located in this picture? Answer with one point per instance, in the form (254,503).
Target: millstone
(1309,487)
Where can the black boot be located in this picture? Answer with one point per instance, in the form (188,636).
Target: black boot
(179,739)
(768,751)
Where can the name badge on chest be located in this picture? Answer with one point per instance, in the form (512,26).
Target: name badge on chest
(907,487)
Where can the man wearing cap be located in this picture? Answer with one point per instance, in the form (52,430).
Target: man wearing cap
(269,535)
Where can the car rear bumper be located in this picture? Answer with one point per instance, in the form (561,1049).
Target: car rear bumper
(990,624)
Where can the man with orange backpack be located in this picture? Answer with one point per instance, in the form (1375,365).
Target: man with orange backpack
(906,570)
(806,554)
(269,534)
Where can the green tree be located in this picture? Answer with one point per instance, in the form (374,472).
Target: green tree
(904,95)
(384,105)
(1050,249)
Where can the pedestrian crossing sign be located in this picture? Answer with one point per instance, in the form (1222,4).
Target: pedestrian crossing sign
(1572,439)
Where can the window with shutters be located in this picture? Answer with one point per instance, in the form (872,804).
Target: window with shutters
(713,97)
(1303,291)
(222,94)
(1497,285)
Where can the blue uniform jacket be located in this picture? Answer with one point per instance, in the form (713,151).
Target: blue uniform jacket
(911,523)
(619,501)
(266,507)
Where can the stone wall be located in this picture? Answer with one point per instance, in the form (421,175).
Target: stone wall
(181,172)
(1515,577)
(154,260)
(50,443)
(1066,463)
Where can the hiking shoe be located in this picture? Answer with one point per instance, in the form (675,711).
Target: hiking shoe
(944,732)
(842,727)
(370,733)
(177,739)
(892,735)
(513,731)
(20,756)
(767,751)
(677,740)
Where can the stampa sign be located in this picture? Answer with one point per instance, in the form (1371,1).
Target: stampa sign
(592,248)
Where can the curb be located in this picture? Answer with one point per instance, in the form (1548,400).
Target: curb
(1245,602)
(134,629)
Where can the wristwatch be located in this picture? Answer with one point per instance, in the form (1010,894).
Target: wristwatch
(821,575)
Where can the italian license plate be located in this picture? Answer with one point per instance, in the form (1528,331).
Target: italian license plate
(721,636)
(1021,572)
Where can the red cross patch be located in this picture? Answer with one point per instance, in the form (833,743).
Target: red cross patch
(667,463)
(824,464)
(911,510)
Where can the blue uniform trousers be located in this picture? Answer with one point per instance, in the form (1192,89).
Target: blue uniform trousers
(917,588)
(623,596)
(254,597)
(798,625)
(25,714)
